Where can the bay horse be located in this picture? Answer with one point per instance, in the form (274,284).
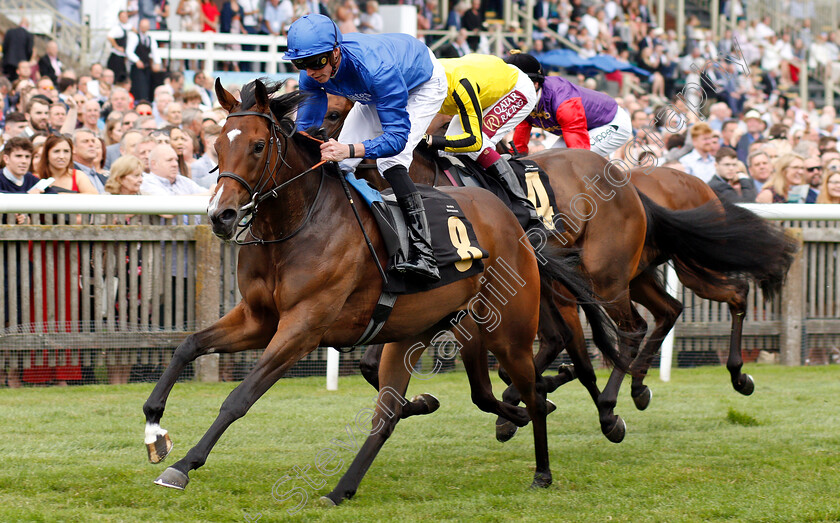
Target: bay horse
(741,234)
(754,249)
(307,279)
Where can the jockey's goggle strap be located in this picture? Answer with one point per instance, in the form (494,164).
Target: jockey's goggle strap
(317,62)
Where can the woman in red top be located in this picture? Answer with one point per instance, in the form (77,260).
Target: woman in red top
(209,16)
(57,162)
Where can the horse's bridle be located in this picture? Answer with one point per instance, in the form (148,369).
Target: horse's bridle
(258,194)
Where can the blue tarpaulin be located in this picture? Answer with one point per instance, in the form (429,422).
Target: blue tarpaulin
(568,59)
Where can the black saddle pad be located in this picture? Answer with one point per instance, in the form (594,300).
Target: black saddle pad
(464,172)
(456,248)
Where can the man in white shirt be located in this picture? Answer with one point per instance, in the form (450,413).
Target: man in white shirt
(205,88)
(277,16)
(590,22)
(118,38)
(763,29)
(250,18)
(164,178)
(142,52)
(700,161)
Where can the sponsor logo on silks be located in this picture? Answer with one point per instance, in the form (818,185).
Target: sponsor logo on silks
(360,97)
(605,133)
(502,112)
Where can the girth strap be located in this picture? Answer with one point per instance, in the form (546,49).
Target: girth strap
(380,315)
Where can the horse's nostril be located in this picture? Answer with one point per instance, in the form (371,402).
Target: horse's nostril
(227,216)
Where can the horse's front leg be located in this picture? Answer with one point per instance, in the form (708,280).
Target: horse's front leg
(238,330)
(394,375)
(294,339)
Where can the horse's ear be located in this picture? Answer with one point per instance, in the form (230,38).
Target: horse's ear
(226,100)
(260,96)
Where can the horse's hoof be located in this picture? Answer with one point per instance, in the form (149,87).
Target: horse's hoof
(505,431)
(430,400)
(541,480)
(549,407)
(326,502)
(568,371)
(173,478)
(643,400)
(160,448)
(616,433)
(747,387)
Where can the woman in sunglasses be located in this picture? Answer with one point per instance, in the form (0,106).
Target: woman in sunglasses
(399,87)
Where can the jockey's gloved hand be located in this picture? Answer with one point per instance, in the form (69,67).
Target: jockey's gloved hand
(434,142)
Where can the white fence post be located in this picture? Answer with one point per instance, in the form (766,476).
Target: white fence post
(667,350)
(332,369)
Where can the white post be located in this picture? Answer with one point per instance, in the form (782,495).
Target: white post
(714,9)
(667,351)
(273,56)
(332,369)
(660,14)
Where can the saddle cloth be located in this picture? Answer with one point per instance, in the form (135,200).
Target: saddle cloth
(464,172)
(456,248)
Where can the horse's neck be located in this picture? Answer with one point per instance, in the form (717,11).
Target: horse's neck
(280,216)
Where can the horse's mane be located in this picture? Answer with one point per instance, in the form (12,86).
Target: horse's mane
(281,106)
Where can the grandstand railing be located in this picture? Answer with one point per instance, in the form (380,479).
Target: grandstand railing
(211,48)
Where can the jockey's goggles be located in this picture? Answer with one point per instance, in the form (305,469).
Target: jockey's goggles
(316,62)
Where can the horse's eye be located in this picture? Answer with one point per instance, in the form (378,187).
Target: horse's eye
(259,146)
(333,116)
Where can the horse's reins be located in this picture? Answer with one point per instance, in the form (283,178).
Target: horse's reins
(256,194)
(257,198)
(349,195)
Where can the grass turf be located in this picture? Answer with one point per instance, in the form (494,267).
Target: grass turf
(701,452)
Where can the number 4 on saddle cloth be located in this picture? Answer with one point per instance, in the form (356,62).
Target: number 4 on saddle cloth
(464,172)
(456,248)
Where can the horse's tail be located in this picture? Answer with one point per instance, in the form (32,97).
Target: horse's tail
(562,264)
(721,240)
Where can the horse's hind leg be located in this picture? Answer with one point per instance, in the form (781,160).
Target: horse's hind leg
(420,404)
(394,376)
(474,357)
(516,355)
(647,291)
(734,293)
(633,329)
(557,330)
(238,330)
(369,364)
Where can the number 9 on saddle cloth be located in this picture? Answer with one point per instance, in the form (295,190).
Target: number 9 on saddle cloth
(456,248)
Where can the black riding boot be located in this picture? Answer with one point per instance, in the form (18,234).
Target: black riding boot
(503,172)
(420,257)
